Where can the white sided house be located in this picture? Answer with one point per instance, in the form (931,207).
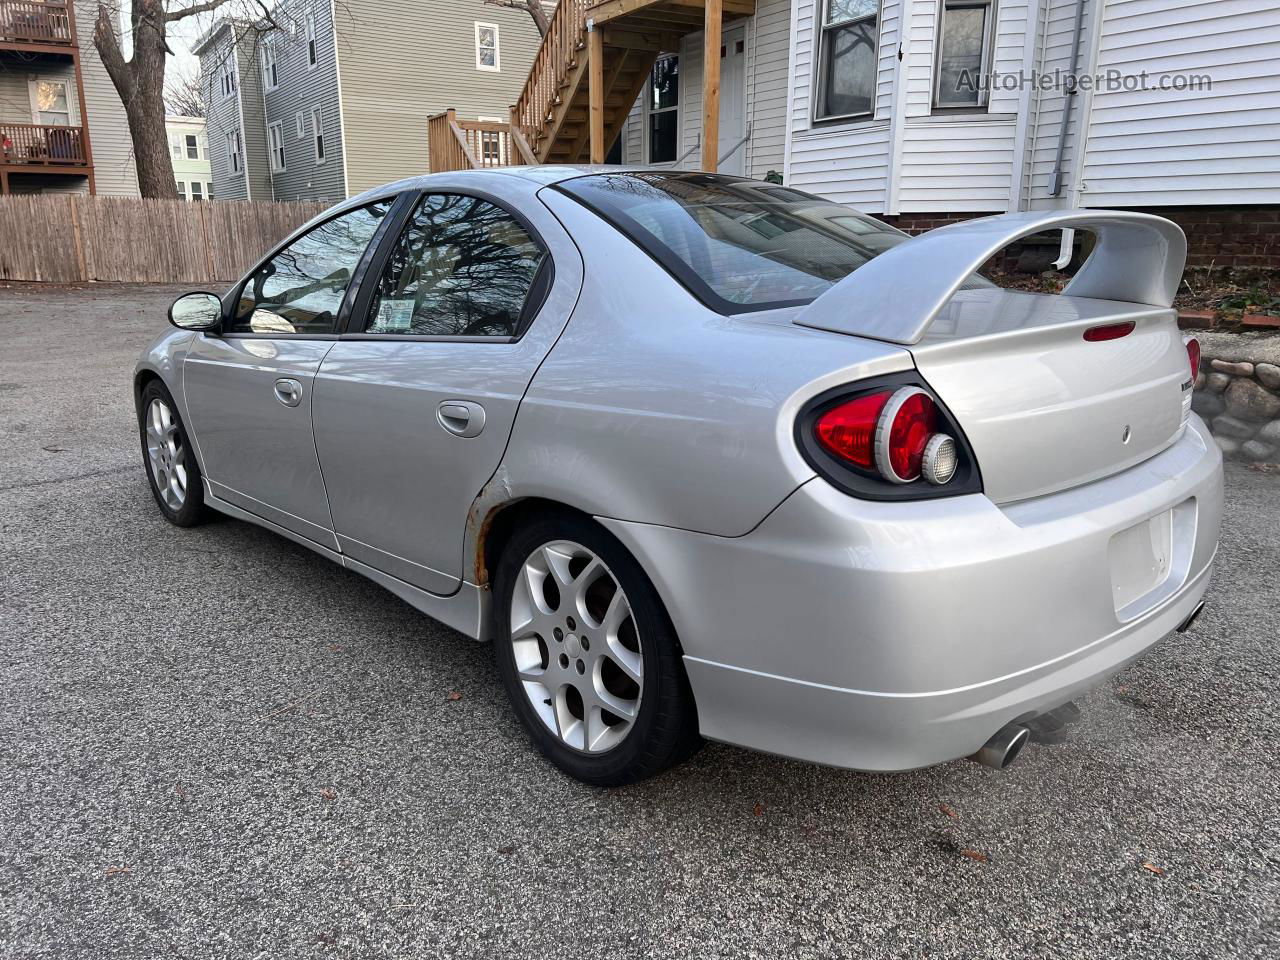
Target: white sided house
(925,111)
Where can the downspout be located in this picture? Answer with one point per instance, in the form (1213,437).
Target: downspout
(1055,185)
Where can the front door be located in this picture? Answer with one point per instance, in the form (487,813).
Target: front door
(733,102)
(413,408)
(249,389)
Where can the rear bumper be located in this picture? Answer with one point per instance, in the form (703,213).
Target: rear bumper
(888,636)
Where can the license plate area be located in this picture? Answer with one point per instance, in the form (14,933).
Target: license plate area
(1151,559)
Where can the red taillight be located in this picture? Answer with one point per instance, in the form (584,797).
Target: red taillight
(1193,355)
(908,421)
(1109,331)
(849,430)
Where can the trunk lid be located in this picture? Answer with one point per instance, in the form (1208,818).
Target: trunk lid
(1043,408)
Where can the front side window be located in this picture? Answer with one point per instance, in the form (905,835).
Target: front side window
(301,288)
(197,193)
(193,147)
(964,53)
(664,109)
(847,59)
(175,146)
(270,68)
(487,46)
(275,138)
(182,190)
(737,245)
(463,267)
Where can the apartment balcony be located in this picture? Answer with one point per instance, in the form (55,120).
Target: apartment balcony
(43,148)
(37,26)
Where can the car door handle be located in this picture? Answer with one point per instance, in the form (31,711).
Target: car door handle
(462,418)
(288,391)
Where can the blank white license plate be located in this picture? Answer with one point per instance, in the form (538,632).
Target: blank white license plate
(1141,559)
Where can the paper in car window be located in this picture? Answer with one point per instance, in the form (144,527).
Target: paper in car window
(395,316)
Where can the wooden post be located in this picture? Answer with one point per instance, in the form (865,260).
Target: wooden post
(595,68)
(711,86)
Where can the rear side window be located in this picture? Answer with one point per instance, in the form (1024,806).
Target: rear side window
(462,267)
(737,244)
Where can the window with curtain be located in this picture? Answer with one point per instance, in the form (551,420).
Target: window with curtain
(847,54)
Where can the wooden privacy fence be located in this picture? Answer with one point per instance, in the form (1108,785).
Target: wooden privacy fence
(68,238)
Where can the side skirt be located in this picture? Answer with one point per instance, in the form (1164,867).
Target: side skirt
(466,611)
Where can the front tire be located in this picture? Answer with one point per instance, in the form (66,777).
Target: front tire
(171,464)
(588,656)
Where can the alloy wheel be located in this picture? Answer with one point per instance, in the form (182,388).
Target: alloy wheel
(166,455)
(576,646)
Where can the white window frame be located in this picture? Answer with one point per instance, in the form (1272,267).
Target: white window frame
(300,121)
(187,145)
(497,48)
(182,191)
(175,146)
(270,64)
(275,146)
(33,86)
(648,111)
(208,189)
(227,76)
(988,55)
(233,150)
(197,190)
(319,149)
(313,49)
(821,28)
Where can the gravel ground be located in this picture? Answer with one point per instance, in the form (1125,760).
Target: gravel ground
(215,743)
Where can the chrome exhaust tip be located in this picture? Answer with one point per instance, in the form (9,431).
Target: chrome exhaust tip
(1003,747)
(1185,625)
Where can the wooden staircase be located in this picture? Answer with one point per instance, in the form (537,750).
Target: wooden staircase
(612,60)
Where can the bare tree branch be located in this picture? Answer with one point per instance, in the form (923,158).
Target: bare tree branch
(534,8)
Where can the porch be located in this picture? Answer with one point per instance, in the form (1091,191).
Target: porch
(36,25)
(33,148)
(591,66)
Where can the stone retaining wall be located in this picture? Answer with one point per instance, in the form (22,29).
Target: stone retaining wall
(1238,393)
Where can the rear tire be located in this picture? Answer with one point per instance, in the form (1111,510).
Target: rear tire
(588,655)
(169,460)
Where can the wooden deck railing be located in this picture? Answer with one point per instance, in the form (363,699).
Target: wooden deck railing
(42,144)
(36,21)
(472,144)
(563,45)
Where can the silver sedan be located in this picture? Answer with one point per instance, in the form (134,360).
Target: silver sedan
(712,458)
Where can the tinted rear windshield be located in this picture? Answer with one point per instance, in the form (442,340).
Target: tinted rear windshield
(737,244)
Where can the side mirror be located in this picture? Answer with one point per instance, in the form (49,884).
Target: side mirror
(196,311)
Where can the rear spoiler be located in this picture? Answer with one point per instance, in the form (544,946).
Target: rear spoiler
(895,297)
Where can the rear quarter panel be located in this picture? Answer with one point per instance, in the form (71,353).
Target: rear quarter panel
(653,408)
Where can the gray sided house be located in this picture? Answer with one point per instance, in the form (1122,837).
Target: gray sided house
(234,108)
(335,97)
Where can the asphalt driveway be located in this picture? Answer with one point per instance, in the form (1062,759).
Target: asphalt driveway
(215,743)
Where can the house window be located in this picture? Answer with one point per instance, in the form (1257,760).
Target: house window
(270,67)
(317,133)
(311,39)
(227,75)
(175,146)
(847,59)
(193,147)
(300,121)
(50,104)
(233,151)
(208,190)
(663,105)
(275,137)
(196,193)
(487,46)
(182,190)
(964,53)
